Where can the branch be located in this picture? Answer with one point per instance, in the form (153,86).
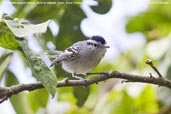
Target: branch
(165,110)
(7,92)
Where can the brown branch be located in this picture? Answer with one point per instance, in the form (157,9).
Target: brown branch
(165,110)
(7,92)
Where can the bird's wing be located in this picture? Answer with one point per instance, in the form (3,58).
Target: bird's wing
(69,53)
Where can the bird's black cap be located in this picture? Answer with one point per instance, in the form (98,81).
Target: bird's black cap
(98,39)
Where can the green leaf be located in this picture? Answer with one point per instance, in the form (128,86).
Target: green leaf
(10,79)
(38,99)
(18,101)
(154,23)
(53,12)
(120,102)
(147,101)
(123,104)
(40,70)
(7,39)
(103,6)
(115,102)
(65,94)
(81,94)
(70,31)
(168,73)
(24,28)
(5,59)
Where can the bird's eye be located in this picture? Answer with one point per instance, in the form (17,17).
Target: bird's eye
(95,45)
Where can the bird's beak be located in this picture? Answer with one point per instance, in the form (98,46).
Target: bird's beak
(107,46)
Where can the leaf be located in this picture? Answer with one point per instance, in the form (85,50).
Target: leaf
(4,62)
(154,23)
(70,31)
(54,12)
(18,101)
(37,13)
(22,29)
(123,104)
(38,99)
(65,94)
(115,102)
(81,94)
(147,101)
(10,79)
(40,70)
(120,102)
(168,73)
(7,39)
(103,6)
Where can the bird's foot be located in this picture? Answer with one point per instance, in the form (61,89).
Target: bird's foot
(80,78)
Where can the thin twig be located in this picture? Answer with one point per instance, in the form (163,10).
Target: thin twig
(149,62)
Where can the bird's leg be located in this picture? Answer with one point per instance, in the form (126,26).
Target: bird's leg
(77,77)
(80,78)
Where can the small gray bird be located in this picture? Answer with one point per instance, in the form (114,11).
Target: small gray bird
(82,56)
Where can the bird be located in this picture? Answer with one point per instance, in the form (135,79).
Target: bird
(82,56)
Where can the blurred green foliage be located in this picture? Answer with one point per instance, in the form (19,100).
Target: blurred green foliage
(40,70)
(154,23)
(81,94)
(101,98)
(103,6)
(7,39)
(19,32)
(4,63)
(38,99)
(19,102)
